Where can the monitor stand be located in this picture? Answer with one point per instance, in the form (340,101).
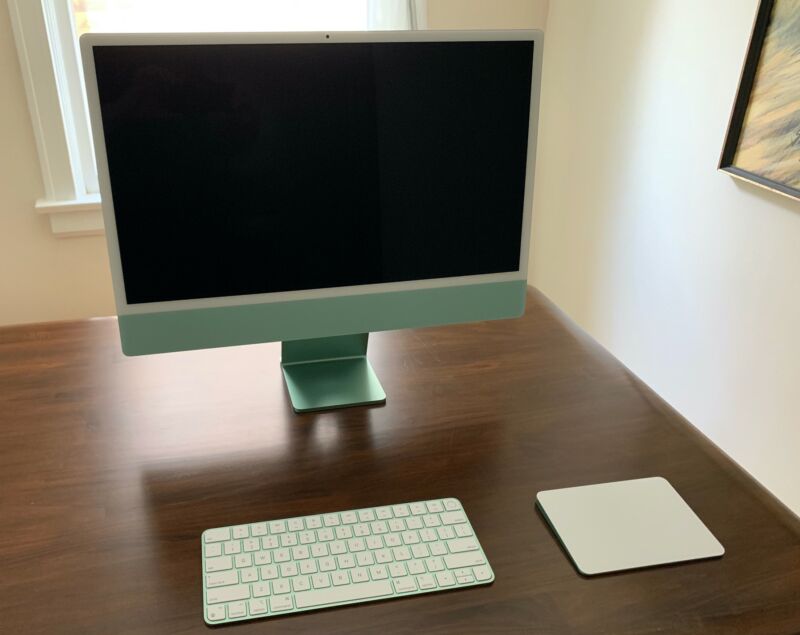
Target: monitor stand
(330,372)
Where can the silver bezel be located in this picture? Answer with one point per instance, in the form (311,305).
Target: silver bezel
(88,41)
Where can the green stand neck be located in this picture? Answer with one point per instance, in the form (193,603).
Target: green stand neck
(330,372)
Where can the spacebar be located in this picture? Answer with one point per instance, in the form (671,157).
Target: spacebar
(332,595)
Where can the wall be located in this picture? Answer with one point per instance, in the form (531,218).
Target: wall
(41,277)
(482,14)
(690,278)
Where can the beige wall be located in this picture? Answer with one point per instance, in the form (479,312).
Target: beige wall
(41,277)
(486,14)
(688,277)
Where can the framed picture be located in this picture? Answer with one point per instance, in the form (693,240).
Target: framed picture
(763,140)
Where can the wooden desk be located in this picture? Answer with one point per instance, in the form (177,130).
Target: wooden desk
(110,467)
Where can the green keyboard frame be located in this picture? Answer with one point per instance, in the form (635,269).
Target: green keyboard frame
(393,596)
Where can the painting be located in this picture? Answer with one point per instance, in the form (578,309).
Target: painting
(763,140)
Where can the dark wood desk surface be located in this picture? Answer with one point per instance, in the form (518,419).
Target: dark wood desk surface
(110,467)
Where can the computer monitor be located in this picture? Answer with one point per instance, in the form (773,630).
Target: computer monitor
(310,188)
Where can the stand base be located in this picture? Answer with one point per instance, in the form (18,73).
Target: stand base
(330,372)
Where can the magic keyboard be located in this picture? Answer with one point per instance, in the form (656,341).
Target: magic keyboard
(311,562)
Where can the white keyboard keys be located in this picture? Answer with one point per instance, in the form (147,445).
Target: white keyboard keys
(216,535)
(334,595)
(302,563)
(228,593)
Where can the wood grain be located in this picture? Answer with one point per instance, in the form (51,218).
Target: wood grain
(110,467)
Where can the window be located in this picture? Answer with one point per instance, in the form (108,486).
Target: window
(47,33)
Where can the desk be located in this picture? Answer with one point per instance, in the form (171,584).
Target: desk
(111,467)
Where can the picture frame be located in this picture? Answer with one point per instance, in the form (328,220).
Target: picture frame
(756,150)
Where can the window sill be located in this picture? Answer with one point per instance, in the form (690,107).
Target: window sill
(79,217)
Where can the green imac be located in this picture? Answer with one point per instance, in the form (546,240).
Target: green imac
(310,188)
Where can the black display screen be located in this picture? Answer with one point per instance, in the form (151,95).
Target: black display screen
(255,168)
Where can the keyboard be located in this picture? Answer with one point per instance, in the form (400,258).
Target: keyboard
(292,565)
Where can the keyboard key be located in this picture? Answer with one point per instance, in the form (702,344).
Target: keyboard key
(462,544)
(482,573)
(258,529)
(216,613)
(438,549)
(415,522)
(364,559)
(361,530)
(277,527)
(451,504)
(324,535)
(282,603)
(262,557)
(418,508)
(257,607)
(392,540)
(281,555)
(378,572)
(462,531)
(404,585)
(270,542)
(415,567)
(260,589)
(221,578)
(410,537)
(359,575)
(434,564)
(220,563)
(337,547)
(356,544)
(434,507)
(348,518)
(420,551)
(335,595)
(426,581)
(327,564)
(243,560)
(401,553)
(301,583)
(445,533)
(213,550)
(313,522)
(300,553)
(319,550)
(307,537)
(249,575)
(288,539)
(400,511)
(343,532)
(431,520)
(428,535)
(288,569)
(374,542)
(237,609)
(383,556)
(445,578)
(217,535)
(240,531)
(339,578)
(280,586)
(321,580)
(231,547)
(396,569)
(331,520)
(453,518)
(308,566)
(228,593)
(366,515)
(295,524)
(251,544)
(467,559)
(346,561)
(269,572)
(383,513)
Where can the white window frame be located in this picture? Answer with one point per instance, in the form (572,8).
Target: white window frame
(44,32)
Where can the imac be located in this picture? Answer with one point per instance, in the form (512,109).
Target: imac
(311,188)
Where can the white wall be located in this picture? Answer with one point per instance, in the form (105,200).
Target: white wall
(41,277)
(690,278)
(486,14)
